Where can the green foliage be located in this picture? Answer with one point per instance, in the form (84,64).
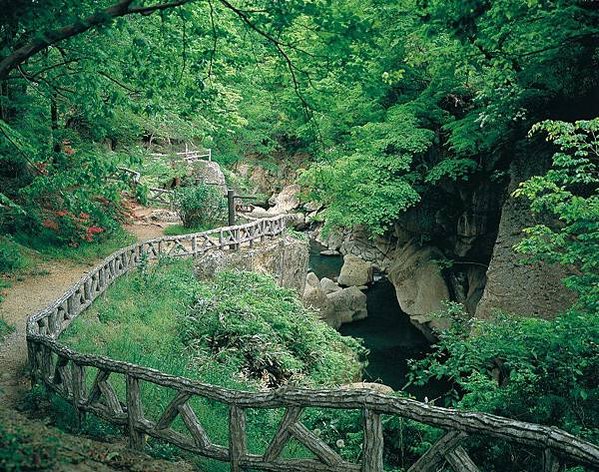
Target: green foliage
(182,331)
(44,246)
(10,256)
(245,323)
(200,205)
(526,368)
(568,195)
(541,371)
(20,451)
(372,186)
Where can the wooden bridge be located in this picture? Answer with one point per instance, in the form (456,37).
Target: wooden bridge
(87,381)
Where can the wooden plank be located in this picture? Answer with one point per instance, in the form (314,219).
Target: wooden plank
(95,392)
(434,458)
(172,410)
(315,444)
(190,419)
(372,457)
(78,388)
(112,401)
(551,462)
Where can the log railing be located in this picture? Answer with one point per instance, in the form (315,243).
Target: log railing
(67,372)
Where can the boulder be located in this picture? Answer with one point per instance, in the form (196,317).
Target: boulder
(209,172)
(329,286)
(419,284)
(355,271)
(286,259)
(316,298)
(296,221)
(373,386)
(347,305)
(162,215)
(209,264)
(286,201)
(336,305)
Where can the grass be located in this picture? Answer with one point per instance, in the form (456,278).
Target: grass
(5,329)
(20,450)
(83,253)
(130,325)
(178,229)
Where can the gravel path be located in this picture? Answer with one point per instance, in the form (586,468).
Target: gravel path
(22,299)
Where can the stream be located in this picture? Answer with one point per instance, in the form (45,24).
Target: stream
(387,331)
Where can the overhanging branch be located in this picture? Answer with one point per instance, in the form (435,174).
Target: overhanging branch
(121,8)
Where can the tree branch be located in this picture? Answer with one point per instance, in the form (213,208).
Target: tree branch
(121,8)
(278,46)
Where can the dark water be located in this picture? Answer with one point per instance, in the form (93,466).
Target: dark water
(387,332)
(324,266)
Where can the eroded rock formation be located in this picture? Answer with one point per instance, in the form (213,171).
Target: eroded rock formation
(286,259)
(355,271)
(513,285)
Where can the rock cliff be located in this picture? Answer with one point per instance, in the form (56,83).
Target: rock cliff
(286,259)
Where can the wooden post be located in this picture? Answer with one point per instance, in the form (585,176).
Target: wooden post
(551,462)
(32,357)
(237,437)
(134,413)
(372,460)
(78,388)
(231,205)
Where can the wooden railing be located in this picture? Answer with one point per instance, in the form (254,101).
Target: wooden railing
(67,372)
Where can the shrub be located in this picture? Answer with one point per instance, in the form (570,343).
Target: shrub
(529,369)
(243,322)
(10,256)
(200,205)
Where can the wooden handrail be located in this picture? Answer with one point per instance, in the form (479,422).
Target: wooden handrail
(63,370)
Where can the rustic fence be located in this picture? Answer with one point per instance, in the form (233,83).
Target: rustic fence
(162,196)
(67,372)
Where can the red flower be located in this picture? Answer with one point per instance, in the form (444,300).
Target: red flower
(62,213)
(50,224)
(94,229)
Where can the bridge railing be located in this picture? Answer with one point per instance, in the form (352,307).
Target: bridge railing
(87,382)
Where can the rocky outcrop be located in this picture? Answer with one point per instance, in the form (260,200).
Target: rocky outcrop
(336,305)
(329,286)
(377,251)
(355,271)
(209,172)
(512,284)
(286,259)
(374,386)
(347,305)
(417,279)
(286,201)
(420,286)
